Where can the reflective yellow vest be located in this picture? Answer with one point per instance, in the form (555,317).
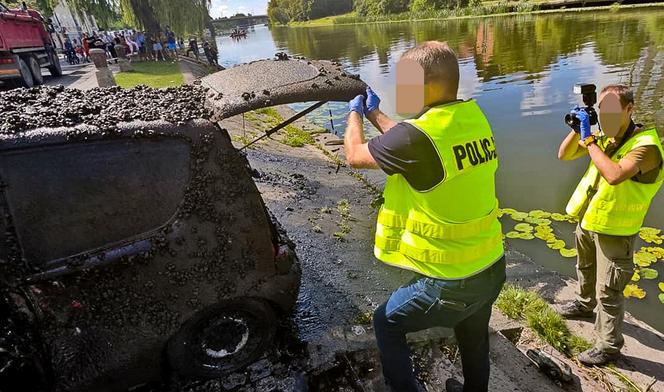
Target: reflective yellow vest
(450,231)
(616,209)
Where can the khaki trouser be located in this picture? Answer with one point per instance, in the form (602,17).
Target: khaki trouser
(604,267)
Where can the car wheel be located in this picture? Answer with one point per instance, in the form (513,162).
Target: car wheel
(55,68)
(26,76)
(35,69)
(222,338)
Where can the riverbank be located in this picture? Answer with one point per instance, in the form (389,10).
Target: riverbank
(327,210)
(486,10)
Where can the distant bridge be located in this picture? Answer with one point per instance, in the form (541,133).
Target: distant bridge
(227,23)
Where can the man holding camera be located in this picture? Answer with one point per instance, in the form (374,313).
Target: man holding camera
(439,218)
(611,202)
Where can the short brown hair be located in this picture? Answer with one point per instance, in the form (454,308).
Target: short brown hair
(438,61)
(625,94)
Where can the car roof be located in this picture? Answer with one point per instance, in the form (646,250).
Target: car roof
(279,81)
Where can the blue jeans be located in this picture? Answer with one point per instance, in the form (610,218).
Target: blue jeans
(464,305)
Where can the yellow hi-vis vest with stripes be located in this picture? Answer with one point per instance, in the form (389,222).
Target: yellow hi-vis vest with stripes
(450,231)
(616,209)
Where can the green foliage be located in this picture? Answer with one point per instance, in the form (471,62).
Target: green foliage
(381,7)
(182,16)
(285,11)
(296,137)
(45,7)
(519,304)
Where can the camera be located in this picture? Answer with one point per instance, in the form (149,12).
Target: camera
(589,94)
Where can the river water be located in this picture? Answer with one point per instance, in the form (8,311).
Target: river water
(521,70)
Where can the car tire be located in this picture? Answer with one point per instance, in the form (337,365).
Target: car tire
(35,70)
(26,76)
(55,68)
(222,339)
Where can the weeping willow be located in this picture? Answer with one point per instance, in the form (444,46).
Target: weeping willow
(181,16)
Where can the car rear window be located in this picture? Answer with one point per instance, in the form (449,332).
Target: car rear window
(77,197)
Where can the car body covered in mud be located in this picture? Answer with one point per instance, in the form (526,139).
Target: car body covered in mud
(135,240)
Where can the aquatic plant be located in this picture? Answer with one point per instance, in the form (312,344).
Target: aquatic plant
(520,304)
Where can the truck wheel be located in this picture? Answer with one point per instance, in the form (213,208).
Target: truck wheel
(55,68)
(26,76)
(35,69)
(222,338)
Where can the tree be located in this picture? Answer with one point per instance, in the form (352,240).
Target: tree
(182,16)
(284,11)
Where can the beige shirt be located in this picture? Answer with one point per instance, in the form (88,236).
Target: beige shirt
(647,158)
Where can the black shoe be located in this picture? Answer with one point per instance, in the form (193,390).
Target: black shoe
(452,385)
(575,309)
(597,357)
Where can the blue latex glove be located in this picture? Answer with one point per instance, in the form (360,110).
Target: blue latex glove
(357,105)
(373,101)
(584,119)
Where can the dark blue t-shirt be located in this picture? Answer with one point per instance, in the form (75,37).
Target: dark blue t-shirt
(406,150)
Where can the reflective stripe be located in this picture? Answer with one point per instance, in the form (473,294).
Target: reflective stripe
(451,231)
(439,256)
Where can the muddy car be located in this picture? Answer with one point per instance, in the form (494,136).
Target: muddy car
(136,243)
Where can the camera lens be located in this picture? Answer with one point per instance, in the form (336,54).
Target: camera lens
(571,120)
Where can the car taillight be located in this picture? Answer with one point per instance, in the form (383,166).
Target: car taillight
(7,60)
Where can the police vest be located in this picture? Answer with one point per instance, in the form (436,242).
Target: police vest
(450,231)
(616,209)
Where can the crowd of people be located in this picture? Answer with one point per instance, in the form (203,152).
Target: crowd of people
(139,46)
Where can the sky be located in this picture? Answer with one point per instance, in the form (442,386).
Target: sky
(231,7)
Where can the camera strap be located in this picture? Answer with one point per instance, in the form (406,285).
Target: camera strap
(592,190)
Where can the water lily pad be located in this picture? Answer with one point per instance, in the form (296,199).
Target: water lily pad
(512,234)
(661,298)
(543,229)
(556,244)
(661,286)
(539,214)
(650,231)
(519,216)
(634,291)
(523,227)
(526,236)
(548,237)
(649,273)
(564,252)
(655,250)
(538,221)
(644,259)
(558,217)
(508,211)
(636,277)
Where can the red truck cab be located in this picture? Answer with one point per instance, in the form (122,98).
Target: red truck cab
(25,47)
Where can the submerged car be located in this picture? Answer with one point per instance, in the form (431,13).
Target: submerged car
(134,248)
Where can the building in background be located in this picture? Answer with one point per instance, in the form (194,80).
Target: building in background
(67,23)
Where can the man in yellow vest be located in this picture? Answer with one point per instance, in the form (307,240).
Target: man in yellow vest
(439,219)
(611,202)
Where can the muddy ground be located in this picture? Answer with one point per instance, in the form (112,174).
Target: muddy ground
(329,345)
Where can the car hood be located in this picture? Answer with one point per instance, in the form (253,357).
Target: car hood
(281,81)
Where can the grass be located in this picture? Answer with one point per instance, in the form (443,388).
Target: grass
(519,304)
(153,74)
(292,135)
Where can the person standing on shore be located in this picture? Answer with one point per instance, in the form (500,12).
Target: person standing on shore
(611,202)
(440,215)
